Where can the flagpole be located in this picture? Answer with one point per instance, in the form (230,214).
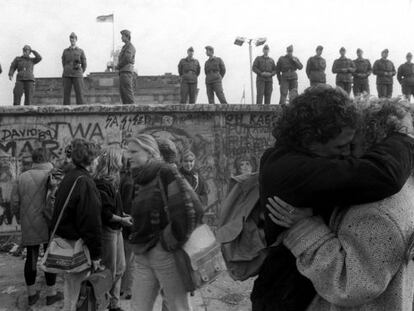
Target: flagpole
(113,39)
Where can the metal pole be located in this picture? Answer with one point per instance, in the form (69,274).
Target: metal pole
(251,71)
(113,39)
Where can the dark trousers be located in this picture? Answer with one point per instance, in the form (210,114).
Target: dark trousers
(67,89)
(384,90)
(126,87)
(264,88)
(30,266)
(346,86)
(312,83)
(26,87)
(217,88)
(407,91)
(361,87)
(288,87)
(188,91)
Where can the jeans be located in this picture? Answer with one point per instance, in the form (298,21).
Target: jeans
(67,89)
(113,258)
(26,87)
(126,87)
(264,88)
(216,87)
(288,86)
(30,266)
(154,270)
(127,278)
(71,289)
(188,91)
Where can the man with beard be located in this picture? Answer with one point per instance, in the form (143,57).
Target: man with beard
(315,134)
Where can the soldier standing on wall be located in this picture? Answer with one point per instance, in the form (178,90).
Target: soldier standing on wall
(405,76)
(215,70)
(189,70)
(385,71)
(25,79)
(286,74)
(343,67)
(126,60)
(74,65)
(362,71)
(315,68)
(265,68)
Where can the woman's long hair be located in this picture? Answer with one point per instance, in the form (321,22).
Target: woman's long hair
(109,166)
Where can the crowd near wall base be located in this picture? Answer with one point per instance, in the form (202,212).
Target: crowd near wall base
(221,136)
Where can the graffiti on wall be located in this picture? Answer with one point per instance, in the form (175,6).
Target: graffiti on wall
(224,144)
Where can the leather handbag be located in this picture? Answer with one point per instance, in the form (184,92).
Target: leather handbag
(199,261)
(63,255)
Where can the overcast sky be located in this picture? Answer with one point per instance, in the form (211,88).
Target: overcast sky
(162,30)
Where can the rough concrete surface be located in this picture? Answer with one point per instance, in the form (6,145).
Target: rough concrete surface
(222,295)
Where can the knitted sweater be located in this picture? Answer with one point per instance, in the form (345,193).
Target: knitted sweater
(362,261)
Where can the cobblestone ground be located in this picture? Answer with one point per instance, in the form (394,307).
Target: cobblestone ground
(222,295)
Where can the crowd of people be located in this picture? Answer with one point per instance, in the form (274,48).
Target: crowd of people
(335,195)
(350,74)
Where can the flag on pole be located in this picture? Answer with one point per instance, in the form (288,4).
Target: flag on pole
(105,18)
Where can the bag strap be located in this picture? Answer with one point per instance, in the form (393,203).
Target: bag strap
(63,209)
(163,195)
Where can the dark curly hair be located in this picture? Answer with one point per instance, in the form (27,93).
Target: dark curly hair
(83,152)
(318,115)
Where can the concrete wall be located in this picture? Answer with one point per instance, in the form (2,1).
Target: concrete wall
(103,87)
(219,135)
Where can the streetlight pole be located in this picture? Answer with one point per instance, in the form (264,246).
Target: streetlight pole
(258,41)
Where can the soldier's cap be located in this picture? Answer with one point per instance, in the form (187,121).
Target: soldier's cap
(409,54)
(126,32)
(359,50)
(27,47)
(73,35)
(190,49)
(209,48)
(385,51)
(265,47)
(289,48)
(319,47)
(342,49)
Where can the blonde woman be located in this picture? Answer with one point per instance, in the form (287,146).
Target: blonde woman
(155,235)
(107,179)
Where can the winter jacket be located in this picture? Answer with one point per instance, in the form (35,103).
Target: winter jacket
(343,68)
(126,58)
(74,62)
(82,216)
(384,70)
(405,74)
(126,190)
(363,70)
(362,261)
(214,69)
(286,67)
(315,69)
(31,198)
(198,184)
(111,203)
(189,70)
(264,64)
(24,66)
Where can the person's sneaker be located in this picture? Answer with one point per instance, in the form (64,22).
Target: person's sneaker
(34,298)
(50,300)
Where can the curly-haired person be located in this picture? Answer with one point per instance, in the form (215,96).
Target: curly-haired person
(311,166)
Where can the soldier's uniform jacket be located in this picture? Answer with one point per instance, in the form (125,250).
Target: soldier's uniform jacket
(405,74)
(189,70)
(126,58)
(382,66)
(286,67)
(340,64)
(315,69)
(363,69)
(74,62)
(264,64)
(214,69)
(24,66)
